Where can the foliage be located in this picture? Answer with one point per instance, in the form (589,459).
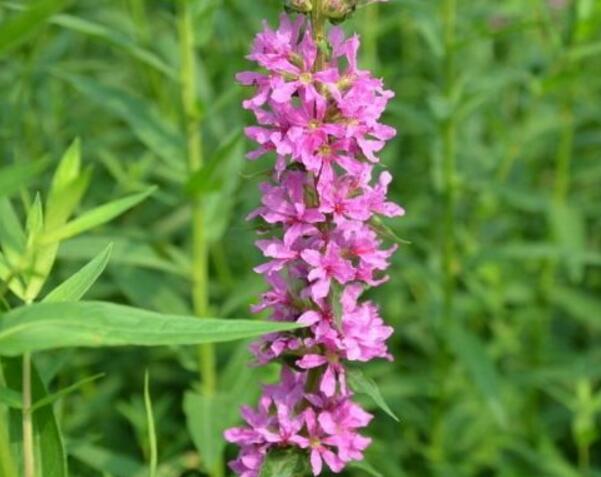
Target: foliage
(497,338)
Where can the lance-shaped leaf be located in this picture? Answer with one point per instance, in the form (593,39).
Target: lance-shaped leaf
(365,385)
(44,326)
(78,284)
(95,217)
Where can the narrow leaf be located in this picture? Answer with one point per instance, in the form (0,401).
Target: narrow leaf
(52,398)
(152,437)
(365,385)
(23,25)
(95,217)
(11,398)
(159,136)
(12,235)
(77,285)
(118,39)
(96,324)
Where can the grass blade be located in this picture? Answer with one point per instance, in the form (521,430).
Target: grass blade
(152,438)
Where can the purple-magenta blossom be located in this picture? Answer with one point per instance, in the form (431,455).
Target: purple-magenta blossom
(322,121)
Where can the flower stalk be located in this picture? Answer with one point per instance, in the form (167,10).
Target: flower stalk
(200,291)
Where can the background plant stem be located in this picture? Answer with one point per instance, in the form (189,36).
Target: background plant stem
(28,449)
(448,150)
(200,295)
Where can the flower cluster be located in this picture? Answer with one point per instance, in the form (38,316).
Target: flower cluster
(318,113)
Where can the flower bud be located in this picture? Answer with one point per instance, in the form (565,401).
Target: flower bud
(300,6)
(339,10)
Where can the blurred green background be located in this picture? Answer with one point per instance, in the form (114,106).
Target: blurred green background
(496,301)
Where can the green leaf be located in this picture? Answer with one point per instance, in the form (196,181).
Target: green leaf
(52,398)
(118,39)
(365,467)
(77,285)
(159,136)
(43,326)
(23,25)
(106,461)
(68,168)
(12,235)
(35,219)
(207,417)
(17,176)
(285,463)
(95,217)
(51,458)
(11,398)
(473,356)
(211,177)
(580,305)
(67,188)
(152,437)
(364,385)
(125,252)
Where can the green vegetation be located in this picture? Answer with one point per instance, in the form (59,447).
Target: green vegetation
(114,247)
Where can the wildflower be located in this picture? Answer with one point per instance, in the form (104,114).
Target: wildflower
(323,124)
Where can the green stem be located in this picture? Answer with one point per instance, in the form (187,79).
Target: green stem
(28,446)
(318,22)
(7,466)
(584,459)
(448,133)
(200,295)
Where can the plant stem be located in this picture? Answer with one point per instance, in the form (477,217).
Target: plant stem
(28,449)
(200,295)
(318,22)
(7,466)
(448,127)
(447,134)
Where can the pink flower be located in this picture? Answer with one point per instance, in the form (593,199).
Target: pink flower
(323,125)
(320,445)
(334,376)
(325,267)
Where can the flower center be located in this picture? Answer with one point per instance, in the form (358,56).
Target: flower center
(306,77)
(325,150)
(314,442)
(314,123)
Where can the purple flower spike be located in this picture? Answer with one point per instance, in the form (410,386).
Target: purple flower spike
(322,251)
